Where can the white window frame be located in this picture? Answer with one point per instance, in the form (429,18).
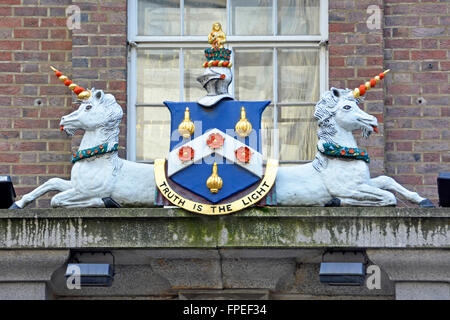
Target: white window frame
(192,42)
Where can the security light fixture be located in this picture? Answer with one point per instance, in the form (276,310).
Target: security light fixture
(90,274)
(342,273)
(443,183)
(7,192)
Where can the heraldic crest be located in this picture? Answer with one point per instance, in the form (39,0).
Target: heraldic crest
(215,165)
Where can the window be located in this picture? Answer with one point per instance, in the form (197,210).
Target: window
(279,54)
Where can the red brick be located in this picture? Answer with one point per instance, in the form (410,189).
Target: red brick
(431,157)
(9,157)
(401,55)
(31,33)
(53,22)
(403,134)
(342,27)
(56,45)
(404,146)
(10,22)
(9,90)
(5,56)
(30,11)
(30,124)
(409,179)
(10,45)
(28,169)
(428,54)
(402,43)
(5,11)
(31,22)
(58,34)
(341,50)
(29,146)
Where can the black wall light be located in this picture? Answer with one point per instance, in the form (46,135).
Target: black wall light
(342,273)
(91,274)
(443,183)
(343,268)
(7,192)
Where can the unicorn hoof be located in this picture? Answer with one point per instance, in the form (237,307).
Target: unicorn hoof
(110,203)
(14,206)
(335,202)
(426,204)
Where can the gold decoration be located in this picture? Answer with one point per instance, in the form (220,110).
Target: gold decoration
(217,37)
(81,93)
(243,126)
(186,127)
(358,92)
(214,182)
(84,95)
(247,200)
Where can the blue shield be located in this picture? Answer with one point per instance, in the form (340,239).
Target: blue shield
(223,116)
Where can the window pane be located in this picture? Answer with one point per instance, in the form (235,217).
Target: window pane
(299,17)
(253,74)
(152,133)
(298,75)
(297,133)
(201,14)
(159,17)
(193,60)
(251,17)
(158,76)
(267,131)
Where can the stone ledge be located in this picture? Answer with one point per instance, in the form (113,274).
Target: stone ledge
(281,227)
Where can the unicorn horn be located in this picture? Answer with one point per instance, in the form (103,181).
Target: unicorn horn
(358,92)
(81,93)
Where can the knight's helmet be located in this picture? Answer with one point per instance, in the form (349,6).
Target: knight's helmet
(217,75)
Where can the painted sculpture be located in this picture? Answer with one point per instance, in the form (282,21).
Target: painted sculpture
(217,168)
(99,178)
(339,174)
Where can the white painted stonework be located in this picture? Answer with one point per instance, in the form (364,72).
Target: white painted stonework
(327,178)
(128,183)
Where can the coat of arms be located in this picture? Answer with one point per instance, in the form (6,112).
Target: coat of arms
(215,164)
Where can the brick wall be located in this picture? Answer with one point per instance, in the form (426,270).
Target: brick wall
(356,56)
(417,119)
(99,56)
(413,101)
(33,36)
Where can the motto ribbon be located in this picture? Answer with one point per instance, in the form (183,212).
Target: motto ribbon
(219,209)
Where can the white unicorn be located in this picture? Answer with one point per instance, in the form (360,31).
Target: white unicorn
(339,174)
(101,179)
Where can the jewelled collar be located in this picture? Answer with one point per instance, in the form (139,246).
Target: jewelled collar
(92,152)
(335,150)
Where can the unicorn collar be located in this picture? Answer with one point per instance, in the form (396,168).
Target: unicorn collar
(335,150)
(92,152)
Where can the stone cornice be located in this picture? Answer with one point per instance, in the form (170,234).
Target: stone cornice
(282,227)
